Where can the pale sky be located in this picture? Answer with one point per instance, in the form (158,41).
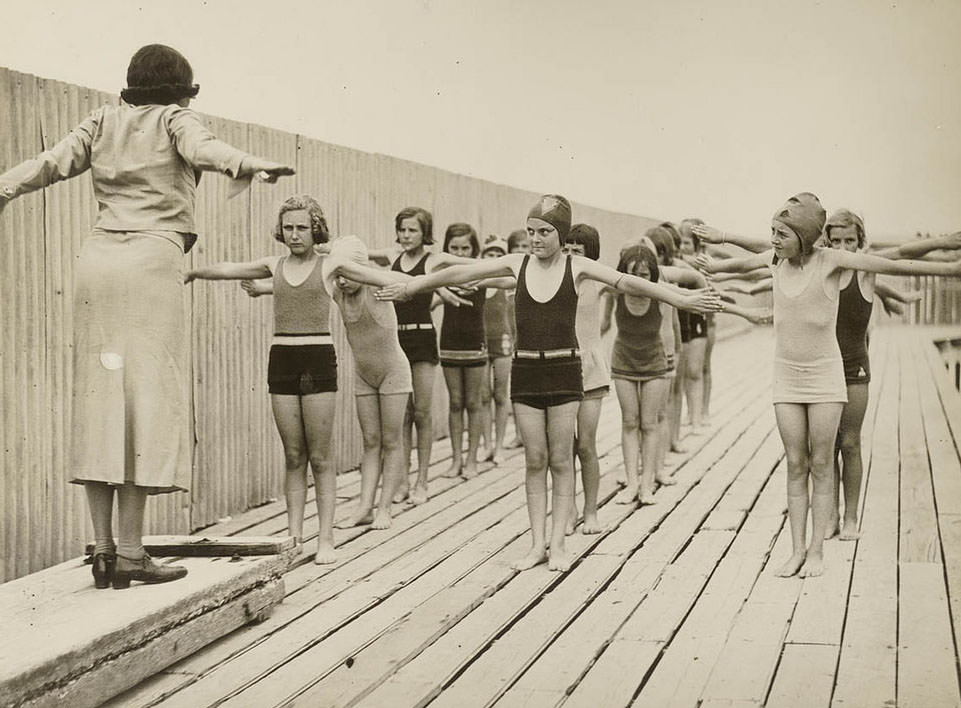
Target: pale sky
(719,109)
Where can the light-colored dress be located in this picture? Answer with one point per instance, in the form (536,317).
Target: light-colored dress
(131,403)
(807,359)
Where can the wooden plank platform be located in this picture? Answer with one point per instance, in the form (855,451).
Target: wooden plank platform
(64,641)
(674,604)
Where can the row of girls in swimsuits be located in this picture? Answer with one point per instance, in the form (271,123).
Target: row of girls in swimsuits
(558,371)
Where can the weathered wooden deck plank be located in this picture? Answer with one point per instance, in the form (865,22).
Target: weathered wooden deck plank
(927,659)
(805,677)
(867,667)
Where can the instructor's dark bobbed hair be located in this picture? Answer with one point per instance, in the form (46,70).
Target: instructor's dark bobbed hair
(158,74)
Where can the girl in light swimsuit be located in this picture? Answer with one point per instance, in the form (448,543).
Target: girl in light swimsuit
(809,385)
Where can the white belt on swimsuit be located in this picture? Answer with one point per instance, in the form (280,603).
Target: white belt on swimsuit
(547,354)
(299,339)
(415,325)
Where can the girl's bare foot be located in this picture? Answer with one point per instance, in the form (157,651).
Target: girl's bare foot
(402,490)
(325,554)
(470,469)
(792,566)
(381,521)
(591,524)
(484,454)
(665,480)
(850,531)
(361,517)
(419,494)
(813,566)
(678,446)
(535,556)
(645,498)
(560,560)
(454,469)
(497,456)
(626,496)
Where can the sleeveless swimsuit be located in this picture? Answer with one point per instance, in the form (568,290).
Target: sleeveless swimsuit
(546,370)
(302,360)
(415,329)
(638,353)
(594,366)
(854,314)
(462,338)
(380,366)
(807,359)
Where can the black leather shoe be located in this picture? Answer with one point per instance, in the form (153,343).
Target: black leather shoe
(145,570)
(102,568)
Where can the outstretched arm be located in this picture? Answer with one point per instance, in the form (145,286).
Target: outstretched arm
(262,268)
(697,300)
(716,236)
(735,265)
(875,264)
(921,247)
(683,276)
(754,315)
(455,275)
(365,274)
(256,288)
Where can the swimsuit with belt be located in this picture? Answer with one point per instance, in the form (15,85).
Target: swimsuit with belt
(546,370)
(415,329)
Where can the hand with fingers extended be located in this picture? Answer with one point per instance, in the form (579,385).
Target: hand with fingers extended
(705,300)
(455,295)
(704,263)
(396,292)
(265,170)
(708,234)
(256,288)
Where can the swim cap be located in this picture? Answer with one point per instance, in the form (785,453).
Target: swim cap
(555,210)
(345,248)
(805,216)
(492,243)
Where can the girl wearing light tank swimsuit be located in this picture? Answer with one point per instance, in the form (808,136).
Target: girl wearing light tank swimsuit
(302,371)
(546,381)
(381,378)
(498,311)
(809,384)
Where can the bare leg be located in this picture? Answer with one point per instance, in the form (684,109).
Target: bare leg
(628,397)
(290,425)
(502,368)
(423,377)
(793,428)
(532,425)
(677,398)
(368,415)
(454,377)
(823,419)
(588,415)
(318,411)
(693,381)
(485,452)
(653,399)
(473,380)
(561,421)
(852,419)
(706,375)
(392,407)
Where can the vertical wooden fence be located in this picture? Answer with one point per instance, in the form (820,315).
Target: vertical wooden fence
(237,457)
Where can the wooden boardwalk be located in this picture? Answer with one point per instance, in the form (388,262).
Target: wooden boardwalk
(674,604)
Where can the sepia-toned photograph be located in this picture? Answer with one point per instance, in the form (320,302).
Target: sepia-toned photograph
(531,353)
